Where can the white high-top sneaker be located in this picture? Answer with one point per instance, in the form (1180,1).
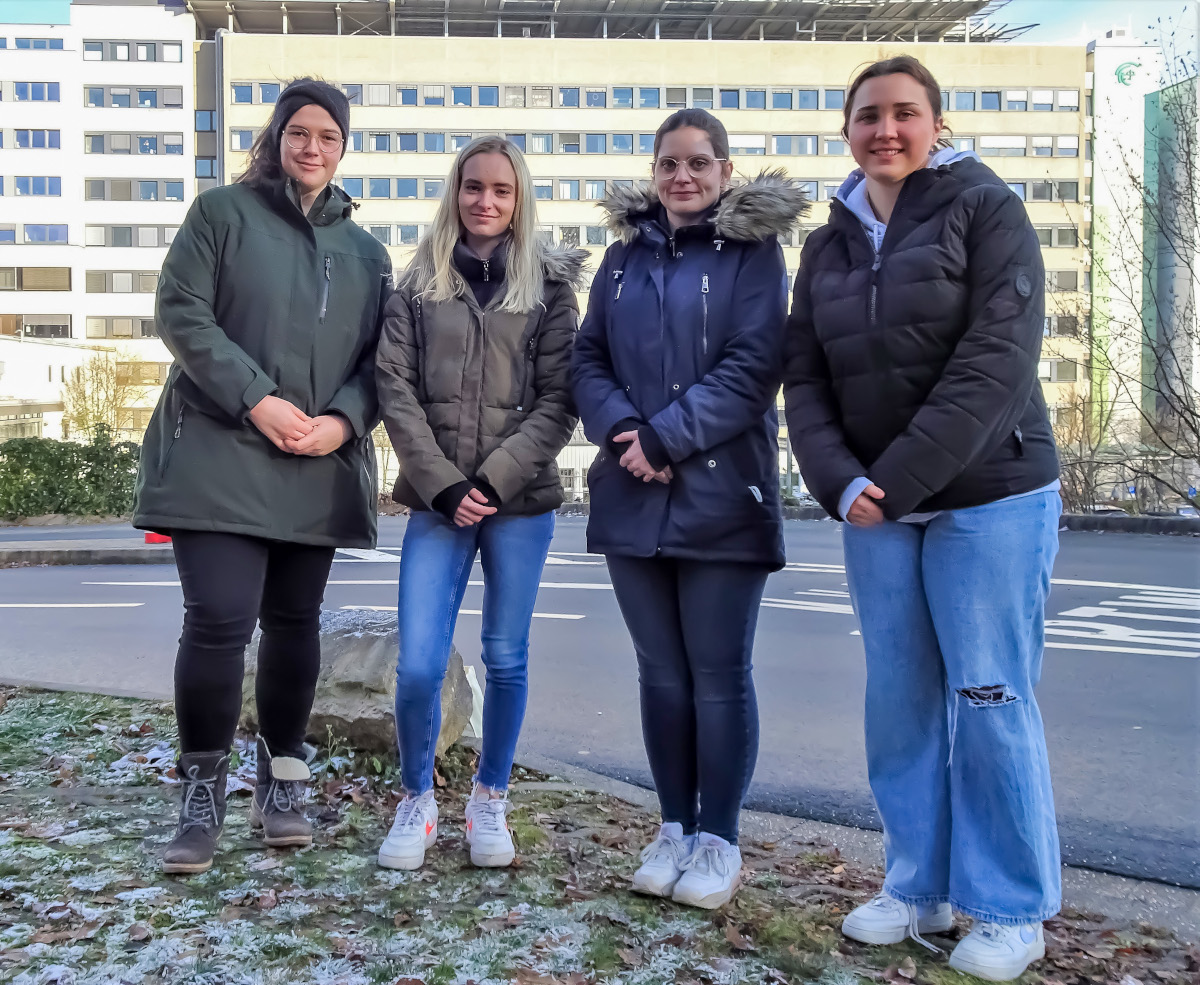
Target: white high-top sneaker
(662,861)
(887,920)
(712,873)
(413,831)
(487,830)
(999,952)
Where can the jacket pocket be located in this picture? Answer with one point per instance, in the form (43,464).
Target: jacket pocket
(175,436)
(527,394)
(422,349)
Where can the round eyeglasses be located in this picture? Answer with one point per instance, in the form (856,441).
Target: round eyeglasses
(297,138)
(697,166)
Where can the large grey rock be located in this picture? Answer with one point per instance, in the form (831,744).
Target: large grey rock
(357,687)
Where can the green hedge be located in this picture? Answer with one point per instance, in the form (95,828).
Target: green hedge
(40,475)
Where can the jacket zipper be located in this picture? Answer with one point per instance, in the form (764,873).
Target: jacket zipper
(530,350)
(617,275)
(704,304)
(486,265)
(325,289)
(179,423)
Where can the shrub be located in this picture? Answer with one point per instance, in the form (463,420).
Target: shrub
(40,475)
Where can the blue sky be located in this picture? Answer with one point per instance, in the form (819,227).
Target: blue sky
(1066,21)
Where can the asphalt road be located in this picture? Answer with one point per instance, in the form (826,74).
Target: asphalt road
(1120,692)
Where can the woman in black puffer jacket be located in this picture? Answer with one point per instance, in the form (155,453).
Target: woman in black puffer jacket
(914,408)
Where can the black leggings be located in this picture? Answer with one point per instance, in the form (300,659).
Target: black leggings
(230,582)
(692,624)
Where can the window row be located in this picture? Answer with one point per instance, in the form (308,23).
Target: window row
(1058,371)
(116,327)
(1060,281)
(658,97)
(129,235)
(142,51)
(35,92)
(48,185)
(133,143)
(38,327)
(1066,236)
(35,44)
(141,97)
(1020,145)
(33,232)
(35,278)
(35,139)
(1048,191)
(132,190)
(1061,326)
(121,281)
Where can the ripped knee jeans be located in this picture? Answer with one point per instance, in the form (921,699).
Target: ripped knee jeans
(951,612)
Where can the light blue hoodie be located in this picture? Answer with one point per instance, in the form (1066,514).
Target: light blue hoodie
(853,195)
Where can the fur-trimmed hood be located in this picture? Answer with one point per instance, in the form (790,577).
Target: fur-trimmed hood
(768,205)
(564,264)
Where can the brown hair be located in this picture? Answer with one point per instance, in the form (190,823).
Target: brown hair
(701,119)
(265,164)
(900,65)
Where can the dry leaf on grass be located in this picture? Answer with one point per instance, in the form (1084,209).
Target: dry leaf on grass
(139,932)
(736,940)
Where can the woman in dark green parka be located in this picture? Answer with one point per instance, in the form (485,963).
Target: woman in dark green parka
(258,460)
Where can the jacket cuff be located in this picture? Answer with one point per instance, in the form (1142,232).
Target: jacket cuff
(446,502)
(493,497)
(260,386)
(853,491)
(623,425)
(653,447)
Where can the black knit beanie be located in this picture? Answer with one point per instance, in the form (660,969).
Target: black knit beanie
(301,92)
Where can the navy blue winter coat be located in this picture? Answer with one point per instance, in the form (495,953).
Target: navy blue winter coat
(684,333)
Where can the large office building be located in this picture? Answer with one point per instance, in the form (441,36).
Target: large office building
(580,85)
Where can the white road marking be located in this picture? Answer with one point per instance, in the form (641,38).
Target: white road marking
(1118,584)
(1089,611)
(468,612)
(359,554)
(1053,644)
(136,584)
(773,603)
(70,605)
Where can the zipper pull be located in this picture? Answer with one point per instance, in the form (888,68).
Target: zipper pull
(617,275)
(486,278)
(704,284)
(718,243)
(179,423)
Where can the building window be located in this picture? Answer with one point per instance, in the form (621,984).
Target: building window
(543,188)
(120,98)
(119,52)
(48,186)
(541,143)
(1043,146)
(747,143)
(836,147)
(989,101)
(95,96)
(702,97)
(594,143)
(409,234)
(1016,100)
(407,95)
(489,95)
(568,96)
(1066,191)
(147,236)
(622,143)
(38,138)
(1018,189)
(1007,145)
(353,187)
(963,143)
(517,140)
(147,191)
(205,121)
(37,92)
(174,191)
(593,189)
(147,98)
(172,52)
(622,97)
(459,140)
(434,95)
(648,98)
(382,233)
(781,99)
(379,187)
(568,189)
(756,99)
(206,167)
(835,98)
(964,102)
(645,143)
(806,99)
(147,144)
(379,94)
(460,95)
(568,143)
(793,144)
(406,187)
(353,91)
(268,92)
(93,51)
(541,97)
(1043,100)
(1041,191)
(1068,146)
(731,98)
(434,143)
(243,93)
(45,233)
(406,143)
(241,139)
(1068,99)
(381,142)
(1059,281)
(596,98)
(676,97)
(433,188)
(514,97)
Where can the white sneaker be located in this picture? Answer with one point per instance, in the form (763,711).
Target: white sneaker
(711,874)
(999,952)
(487,831)
(662,861)
(887,920)
(413,831)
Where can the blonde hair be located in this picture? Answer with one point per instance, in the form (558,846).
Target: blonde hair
(432,272)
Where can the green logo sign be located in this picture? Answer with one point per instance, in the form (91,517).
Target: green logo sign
(1125,72)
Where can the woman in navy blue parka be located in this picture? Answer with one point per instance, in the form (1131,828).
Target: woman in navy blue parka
(675,371)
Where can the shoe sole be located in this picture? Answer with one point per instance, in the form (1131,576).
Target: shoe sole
(494,861)
(287,841)
(865,935)
(186,868)
(408,862)
(712,901)
(646,889)
(998,974)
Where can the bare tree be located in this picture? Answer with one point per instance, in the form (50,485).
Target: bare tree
(98,392)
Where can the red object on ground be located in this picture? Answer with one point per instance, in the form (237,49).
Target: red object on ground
(153,538)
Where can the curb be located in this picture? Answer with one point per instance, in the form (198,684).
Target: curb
(1121,523)
(88,555)
(789,512)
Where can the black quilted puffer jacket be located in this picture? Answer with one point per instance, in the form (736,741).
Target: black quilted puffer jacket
(917,366)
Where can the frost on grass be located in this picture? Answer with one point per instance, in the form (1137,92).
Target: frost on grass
(86,803)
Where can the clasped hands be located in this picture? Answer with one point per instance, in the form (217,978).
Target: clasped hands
(289,429)
(634,459)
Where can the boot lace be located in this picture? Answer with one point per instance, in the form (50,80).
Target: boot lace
(663,846)
(408,814)
(708,858)
(284,796)
(199,803)
(489,815)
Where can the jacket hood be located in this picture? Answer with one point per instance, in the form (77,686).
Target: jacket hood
(768,205)
(563,263)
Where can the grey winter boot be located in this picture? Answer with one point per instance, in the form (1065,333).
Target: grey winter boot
(278,807)
(202,814)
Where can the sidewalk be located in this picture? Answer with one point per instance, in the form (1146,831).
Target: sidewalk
(86,805)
